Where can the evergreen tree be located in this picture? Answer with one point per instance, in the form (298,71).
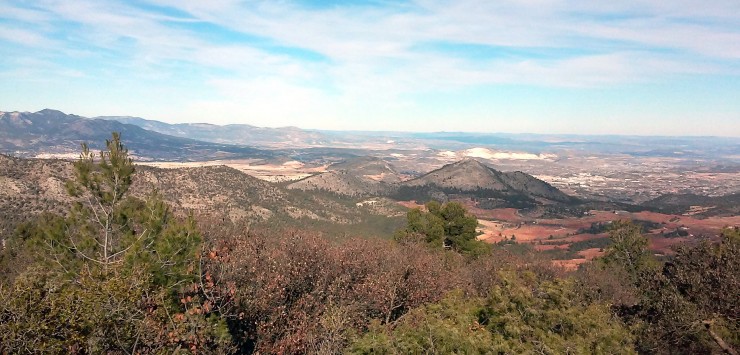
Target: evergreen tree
(448,226)
(693,304)
(629,250)
(111,276)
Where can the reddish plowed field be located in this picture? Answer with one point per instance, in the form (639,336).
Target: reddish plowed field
(591,254)
(542,247)
(665,245)
(503,223)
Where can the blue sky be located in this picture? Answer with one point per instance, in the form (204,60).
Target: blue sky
(539,66)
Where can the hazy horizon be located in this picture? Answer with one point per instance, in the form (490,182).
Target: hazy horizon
(643,68)
(379,132)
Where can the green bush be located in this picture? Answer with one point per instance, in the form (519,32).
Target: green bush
(521,315)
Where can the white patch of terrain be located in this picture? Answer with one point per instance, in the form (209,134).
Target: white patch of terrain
(293,164)
(485,153)
(66,156)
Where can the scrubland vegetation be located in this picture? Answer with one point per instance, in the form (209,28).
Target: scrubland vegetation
(124,275)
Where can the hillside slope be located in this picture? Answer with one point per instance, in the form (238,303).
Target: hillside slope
(370,167)
(29,187)
(341,183)
(472,176)
(354,177)
(465,175)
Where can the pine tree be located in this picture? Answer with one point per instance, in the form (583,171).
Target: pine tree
(113,276)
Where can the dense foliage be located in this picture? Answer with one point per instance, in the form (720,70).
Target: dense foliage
(520,315)
(686,305)
(693,303)
(116,274)
(447,226)
(124,275)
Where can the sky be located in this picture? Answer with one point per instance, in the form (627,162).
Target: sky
(539,66)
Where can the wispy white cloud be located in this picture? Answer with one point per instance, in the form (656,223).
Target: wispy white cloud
(261,56)
(387,36)
(24,37)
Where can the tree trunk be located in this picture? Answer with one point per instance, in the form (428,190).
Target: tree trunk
(722,344)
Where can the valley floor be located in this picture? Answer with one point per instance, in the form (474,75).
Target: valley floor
(574,241)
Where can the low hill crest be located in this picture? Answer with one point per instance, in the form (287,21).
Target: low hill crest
(472,177)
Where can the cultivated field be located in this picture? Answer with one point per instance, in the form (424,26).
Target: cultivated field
(559,236)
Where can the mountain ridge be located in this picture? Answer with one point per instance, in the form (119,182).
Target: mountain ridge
(237,134)
(30,134)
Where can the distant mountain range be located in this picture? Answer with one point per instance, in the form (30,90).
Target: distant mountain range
(51,131)
(236,134)
(46,132)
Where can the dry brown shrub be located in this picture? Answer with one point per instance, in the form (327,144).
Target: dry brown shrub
(297,291)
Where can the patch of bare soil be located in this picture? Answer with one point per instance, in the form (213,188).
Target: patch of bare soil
(288,171)
(410,204)
(665,245)
(591,254)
